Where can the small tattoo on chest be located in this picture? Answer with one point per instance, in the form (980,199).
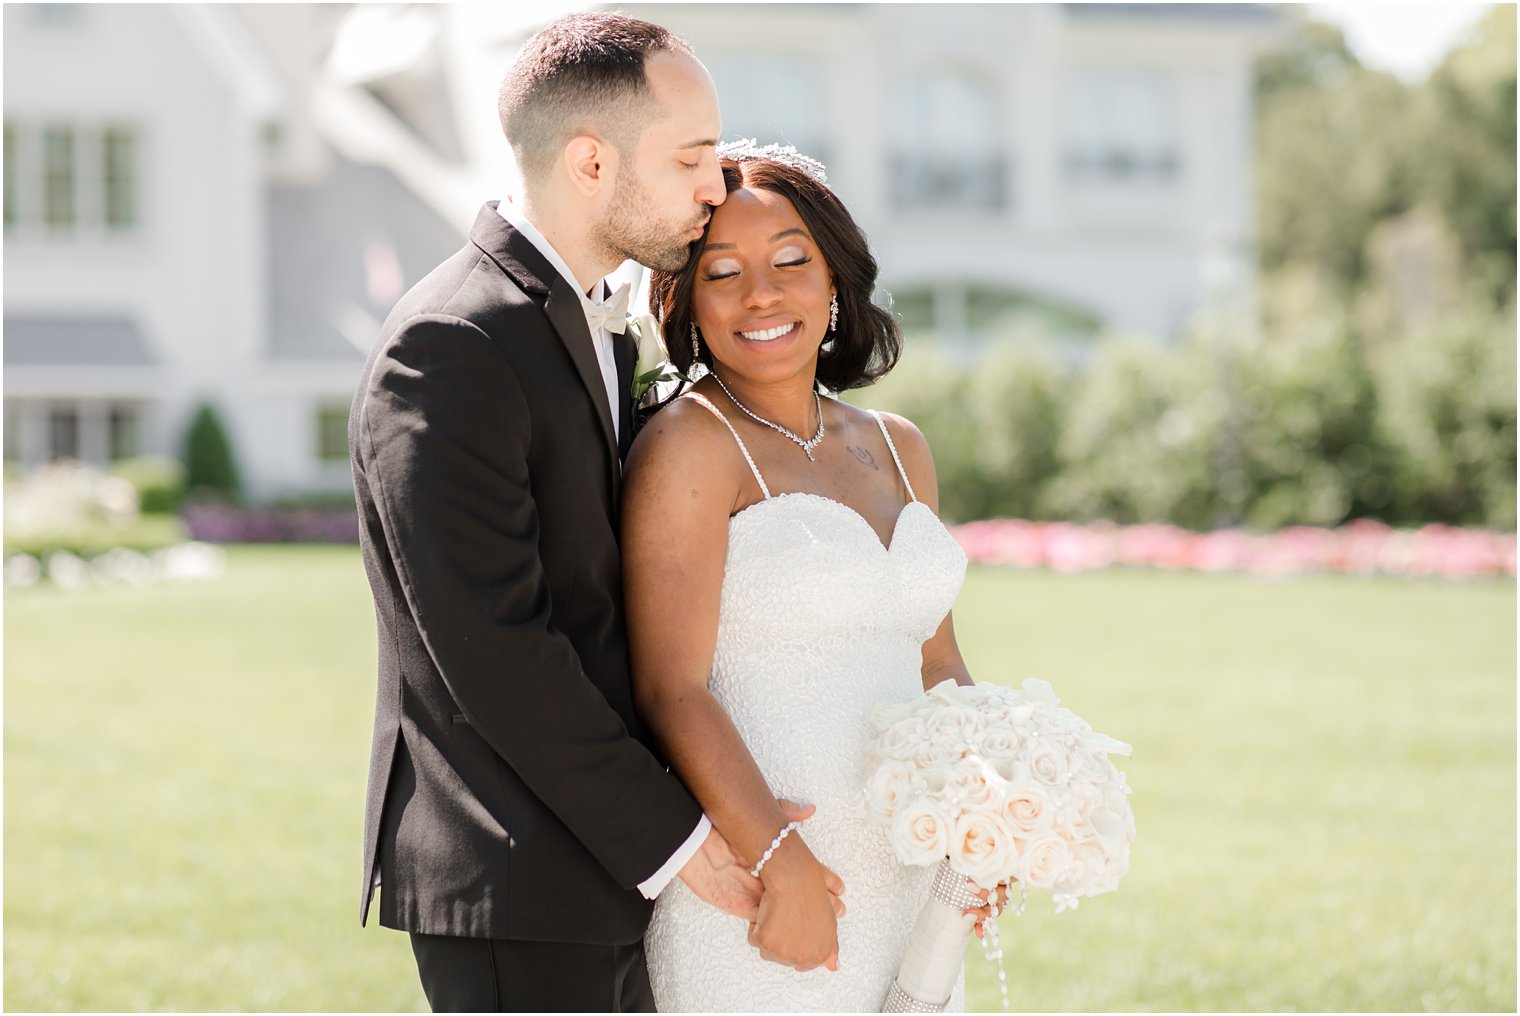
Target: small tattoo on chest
(864,457)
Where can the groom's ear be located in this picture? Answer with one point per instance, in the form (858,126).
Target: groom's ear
(591,163)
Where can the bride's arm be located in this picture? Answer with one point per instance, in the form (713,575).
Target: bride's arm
(680,487)
(942,656)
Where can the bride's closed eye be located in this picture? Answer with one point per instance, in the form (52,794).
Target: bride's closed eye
(791,257)
(722,268)
(727,268)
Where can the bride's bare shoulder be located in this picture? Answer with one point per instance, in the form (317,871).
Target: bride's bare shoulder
(685,444)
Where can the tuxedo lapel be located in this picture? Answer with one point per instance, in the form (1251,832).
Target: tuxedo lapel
(562,306)
(569,321)
(623,344)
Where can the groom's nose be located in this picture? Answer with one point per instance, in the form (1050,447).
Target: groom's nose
(710,189)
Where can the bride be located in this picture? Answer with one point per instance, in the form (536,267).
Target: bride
(785,573)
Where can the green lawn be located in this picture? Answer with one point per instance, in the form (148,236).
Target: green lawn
(1324,773)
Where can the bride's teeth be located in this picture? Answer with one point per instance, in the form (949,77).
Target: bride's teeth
(769,333)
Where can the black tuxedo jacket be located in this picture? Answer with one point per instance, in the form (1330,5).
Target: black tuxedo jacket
(513,792)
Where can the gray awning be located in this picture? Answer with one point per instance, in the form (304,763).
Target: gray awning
(1228,13)
(75,342)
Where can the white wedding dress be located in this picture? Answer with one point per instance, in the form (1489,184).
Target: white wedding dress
(818,624)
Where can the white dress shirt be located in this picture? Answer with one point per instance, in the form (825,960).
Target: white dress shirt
(601,338)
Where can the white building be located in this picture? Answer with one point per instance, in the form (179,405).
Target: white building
(178,232)
(220,203)
(1092,158)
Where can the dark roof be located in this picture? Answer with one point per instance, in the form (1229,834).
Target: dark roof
(73,341)
(320,236)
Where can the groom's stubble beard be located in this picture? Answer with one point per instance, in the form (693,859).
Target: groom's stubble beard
(629,233)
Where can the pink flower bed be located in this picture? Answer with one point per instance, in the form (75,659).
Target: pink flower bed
(1363,547)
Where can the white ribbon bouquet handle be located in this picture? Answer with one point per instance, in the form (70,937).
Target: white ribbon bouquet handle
(931,964)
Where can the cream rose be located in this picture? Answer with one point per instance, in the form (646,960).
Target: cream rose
(999,742)
(889,788)
(973,786)
(961,723)
(1028,811)
(982,848)
(939,749)
(902,740)
(1045,861)
(920,833)
(1048,764)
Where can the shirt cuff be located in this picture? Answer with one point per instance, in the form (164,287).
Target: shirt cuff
(656,883)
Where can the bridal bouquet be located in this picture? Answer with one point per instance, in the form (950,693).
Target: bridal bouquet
(992,784)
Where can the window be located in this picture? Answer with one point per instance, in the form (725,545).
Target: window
(967,314)
(121,424)
(54,15)
(63,432)
(120,188)
(775,100)
(58,177)
(332,434)
(67,178)
(1121,127)
(947,152)
(11,186)
(12,431)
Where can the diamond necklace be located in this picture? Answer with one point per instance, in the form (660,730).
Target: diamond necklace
(806,446)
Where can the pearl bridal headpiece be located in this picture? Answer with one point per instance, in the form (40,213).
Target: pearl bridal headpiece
(746,149)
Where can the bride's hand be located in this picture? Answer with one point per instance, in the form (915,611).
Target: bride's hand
(795,812)
(993,907)
(797,923)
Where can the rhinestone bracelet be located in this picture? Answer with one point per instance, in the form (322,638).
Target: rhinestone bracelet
(783,834)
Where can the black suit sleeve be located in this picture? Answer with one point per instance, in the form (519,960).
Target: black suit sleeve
(445,435)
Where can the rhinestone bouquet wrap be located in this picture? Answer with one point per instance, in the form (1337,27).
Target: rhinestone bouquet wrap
(993,784)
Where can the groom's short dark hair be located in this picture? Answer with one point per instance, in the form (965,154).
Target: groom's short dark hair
(581,74)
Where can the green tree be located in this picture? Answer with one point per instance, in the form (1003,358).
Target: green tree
(1335,154)
(1472,95)
(210,467)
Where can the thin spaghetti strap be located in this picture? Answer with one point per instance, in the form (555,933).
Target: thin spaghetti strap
(893,448)
(699,397)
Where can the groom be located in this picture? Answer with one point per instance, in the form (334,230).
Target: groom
(518,821)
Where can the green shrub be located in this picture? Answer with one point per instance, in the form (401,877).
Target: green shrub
(993,424)
(145,533)
(1297,427)
(159,482)
(210,468)
(1138,441)
(1302,427)
(1448,415)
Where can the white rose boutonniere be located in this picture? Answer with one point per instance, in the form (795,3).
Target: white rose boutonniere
(652,366)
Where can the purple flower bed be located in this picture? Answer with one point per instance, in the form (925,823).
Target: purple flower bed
(1363,547)
(218,524)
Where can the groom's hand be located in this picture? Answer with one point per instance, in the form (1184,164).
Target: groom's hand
(721,880)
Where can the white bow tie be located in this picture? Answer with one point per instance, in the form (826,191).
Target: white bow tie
(611,313)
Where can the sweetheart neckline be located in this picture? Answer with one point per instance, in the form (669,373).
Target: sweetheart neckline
(875,538)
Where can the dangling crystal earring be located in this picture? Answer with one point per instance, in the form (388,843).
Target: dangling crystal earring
(834,312)
(696,349)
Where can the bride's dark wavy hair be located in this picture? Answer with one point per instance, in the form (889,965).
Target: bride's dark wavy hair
(866,344)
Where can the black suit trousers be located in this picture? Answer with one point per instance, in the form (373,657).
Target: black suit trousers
(506,975)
